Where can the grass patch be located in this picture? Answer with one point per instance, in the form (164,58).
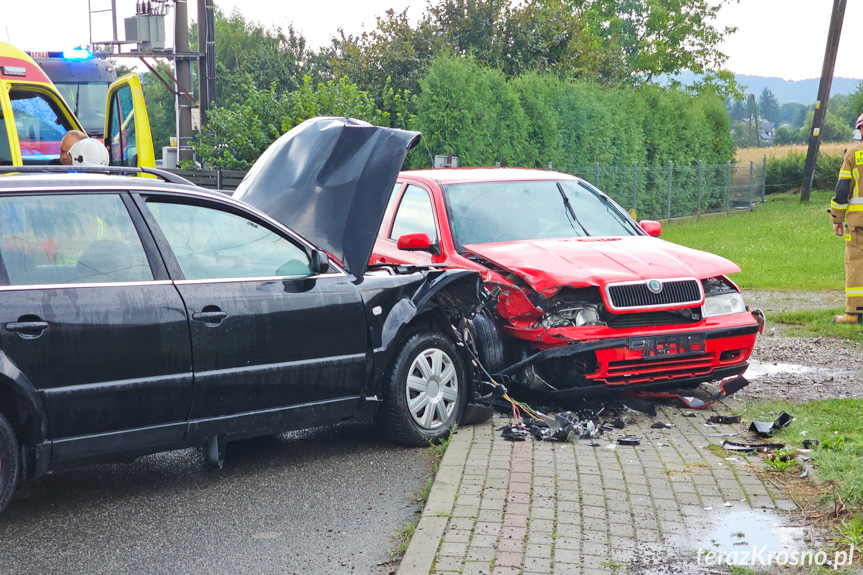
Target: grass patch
(718,450)
(817,323)
(401,538)
(782,245)
(838,425)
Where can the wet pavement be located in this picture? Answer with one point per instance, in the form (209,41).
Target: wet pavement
(594,507)
(324,501)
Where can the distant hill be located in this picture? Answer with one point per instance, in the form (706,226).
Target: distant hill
(801,91)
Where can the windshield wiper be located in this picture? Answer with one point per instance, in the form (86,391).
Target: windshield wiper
(569,210)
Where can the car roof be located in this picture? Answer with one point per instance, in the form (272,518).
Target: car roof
(466,175)
(74,181)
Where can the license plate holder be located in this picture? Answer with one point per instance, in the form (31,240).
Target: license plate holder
(668,346)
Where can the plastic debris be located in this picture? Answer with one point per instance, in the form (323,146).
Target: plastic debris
(721,434)
(629,440)
(726,388)
(750,447)
(514,433)
(810,443)
(662,425)
(804,474)
(768,428)
(724,419)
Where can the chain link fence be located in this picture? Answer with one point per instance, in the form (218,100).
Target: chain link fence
(670,191)
(654,192)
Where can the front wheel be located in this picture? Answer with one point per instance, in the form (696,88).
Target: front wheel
(426,390)
(9,462)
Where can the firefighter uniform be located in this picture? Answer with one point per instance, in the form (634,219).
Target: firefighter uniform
(847,208)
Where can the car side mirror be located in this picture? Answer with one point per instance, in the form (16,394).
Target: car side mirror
(319,262)
(418,242)
(651,227)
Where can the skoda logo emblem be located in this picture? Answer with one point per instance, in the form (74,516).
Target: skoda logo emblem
(654,285)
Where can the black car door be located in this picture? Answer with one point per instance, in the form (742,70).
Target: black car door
(268,335)
(90,317)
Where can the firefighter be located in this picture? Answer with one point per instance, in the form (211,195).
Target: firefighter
(846,211)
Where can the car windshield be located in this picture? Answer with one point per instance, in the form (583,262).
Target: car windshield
(490,212)
(88,103)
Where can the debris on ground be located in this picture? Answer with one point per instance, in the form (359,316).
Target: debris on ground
(629,440)
(724,419)
(662,425)
(768,428)
(810,443)
(750,447)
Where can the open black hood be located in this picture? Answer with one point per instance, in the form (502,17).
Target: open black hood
(329,179)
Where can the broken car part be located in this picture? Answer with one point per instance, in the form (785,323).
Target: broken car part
(629,440)
(768,428)
(724,419)
(750,447)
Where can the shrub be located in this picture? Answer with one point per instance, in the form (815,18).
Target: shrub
(786,172)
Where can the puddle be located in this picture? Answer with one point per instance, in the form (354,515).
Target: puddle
(758,369)
(739,531)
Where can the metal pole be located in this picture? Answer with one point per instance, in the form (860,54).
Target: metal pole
(727,185)
(751,177)
(596,174)
(550,167)
(698,207)
(763,178)
(634,184)
(184,82)
(669,192)
(823,95)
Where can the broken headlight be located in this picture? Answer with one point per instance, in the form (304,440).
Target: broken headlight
(572,317)
(723,304)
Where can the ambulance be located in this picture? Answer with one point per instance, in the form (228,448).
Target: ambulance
(35,116)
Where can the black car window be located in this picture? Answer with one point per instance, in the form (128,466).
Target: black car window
(213,244)
(39,124)
(70,239)
(415,214)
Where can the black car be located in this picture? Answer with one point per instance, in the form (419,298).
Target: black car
(141,315)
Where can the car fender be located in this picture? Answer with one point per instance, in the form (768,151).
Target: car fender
(31,416)
(442,297)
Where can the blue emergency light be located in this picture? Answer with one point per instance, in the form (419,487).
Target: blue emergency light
(77,54)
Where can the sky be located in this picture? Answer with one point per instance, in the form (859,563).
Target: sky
(784,38)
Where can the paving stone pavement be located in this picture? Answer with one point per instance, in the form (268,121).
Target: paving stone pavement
(505,508)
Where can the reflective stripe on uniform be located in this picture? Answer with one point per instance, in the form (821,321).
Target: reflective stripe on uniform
(854,292)
(836,206)
(856,201)
(845,174)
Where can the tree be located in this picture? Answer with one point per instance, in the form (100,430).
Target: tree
(661,37)
(793,114)
(768,106)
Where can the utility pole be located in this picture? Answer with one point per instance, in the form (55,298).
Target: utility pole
(836,19)
(184,99)
(206,58)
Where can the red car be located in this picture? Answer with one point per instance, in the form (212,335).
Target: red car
(589,299)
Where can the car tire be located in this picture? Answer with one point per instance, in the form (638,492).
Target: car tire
(488,344)
(426,390)
(9,462)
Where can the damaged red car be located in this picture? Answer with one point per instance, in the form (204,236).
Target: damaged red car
(589,300)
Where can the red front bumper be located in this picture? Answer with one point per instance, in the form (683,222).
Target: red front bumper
(722,343)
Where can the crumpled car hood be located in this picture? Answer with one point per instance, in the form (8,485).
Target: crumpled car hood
(329,179)
(549,265)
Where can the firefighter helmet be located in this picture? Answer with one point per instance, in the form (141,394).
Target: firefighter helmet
(89,152)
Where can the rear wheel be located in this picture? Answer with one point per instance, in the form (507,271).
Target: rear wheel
(9,462)
(426,391)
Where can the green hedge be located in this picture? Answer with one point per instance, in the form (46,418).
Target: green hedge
(786,173)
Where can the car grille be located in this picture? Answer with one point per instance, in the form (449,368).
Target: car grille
(647,319)
(637,295)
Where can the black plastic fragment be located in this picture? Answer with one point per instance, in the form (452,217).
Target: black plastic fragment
(629,440)
(768,428)
(724,419)
(662,425)
(810,443)
(645,407)
(750,447)
(513,433)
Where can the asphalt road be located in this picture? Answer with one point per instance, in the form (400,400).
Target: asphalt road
(320,502)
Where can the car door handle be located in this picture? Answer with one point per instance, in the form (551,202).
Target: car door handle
(27,329)
(209,316)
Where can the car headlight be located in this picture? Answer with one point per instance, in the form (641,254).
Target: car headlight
(588,316)
(723,304)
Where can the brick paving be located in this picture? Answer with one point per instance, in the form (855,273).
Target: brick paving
(536,507)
